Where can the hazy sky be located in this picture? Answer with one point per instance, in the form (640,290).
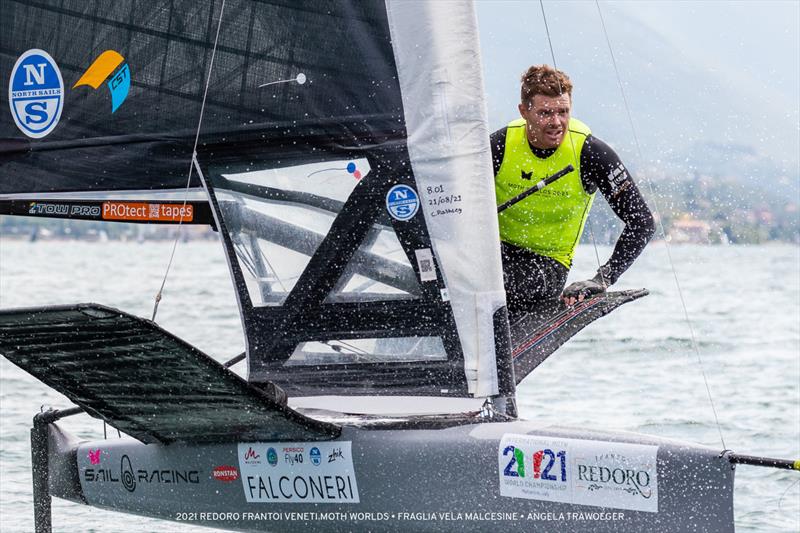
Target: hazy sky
(716,71)
(753,43)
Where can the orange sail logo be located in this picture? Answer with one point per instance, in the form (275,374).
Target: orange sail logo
(119,84)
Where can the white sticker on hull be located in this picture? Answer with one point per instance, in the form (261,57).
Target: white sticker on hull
(298,472)
(583,472)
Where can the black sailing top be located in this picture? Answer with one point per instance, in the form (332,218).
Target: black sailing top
(601,168)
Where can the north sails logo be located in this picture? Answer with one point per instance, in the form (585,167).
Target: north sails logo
(36,93)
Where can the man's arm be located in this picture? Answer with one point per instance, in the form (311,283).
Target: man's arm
(601,168)
(498,144)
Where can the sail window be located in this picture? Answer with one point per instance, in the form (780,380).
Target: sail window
(278,217)
(378,271)
(273,243)
(358,351)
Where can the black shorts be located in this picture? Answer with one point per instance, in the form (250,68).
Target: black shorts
(530,277)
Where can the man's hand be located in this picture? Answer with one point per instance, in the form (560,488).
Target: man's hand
(580,290)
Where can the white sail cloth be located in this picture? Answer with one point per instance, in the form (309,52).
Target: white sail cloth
(438,61)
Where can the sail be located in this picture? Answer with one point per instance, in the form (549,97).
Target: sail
(343,148)
(109,82)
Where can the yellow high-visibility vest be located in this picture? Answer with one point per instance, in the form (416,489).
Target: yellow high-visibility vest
(549,222)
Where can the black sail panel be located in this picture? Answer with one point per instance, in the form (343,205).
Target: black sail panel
(320,150)
(310,183)
(167,46)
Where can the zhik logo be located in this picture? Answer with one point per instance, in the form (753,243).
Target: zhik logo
(119,84)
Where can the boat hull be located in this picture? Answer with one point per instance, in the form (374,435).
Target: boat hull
(457,479)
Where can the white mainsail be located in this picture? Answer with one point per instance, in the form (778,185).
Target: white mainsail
(439,66)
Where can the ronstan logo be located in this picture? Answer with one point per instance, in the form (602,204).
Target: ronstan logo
(225,473)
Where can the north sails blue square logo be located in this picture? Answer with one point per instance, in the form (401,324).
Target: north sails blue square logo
(36,93)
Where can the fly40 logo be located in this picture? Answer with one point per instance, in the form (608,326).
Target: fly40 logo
(544,464)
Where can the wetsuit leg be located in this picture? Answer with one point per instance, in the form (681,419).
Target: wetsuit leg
(530,277)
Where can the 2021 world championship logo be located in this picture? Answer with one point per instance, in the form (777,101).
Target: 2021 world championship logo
(36,93)
(583,472)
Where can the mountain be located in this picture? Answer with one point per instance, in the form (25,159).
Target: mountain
(726,107)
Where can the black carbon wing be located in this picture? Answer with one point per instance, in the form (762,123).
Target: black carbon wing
(145,381)
(543,329)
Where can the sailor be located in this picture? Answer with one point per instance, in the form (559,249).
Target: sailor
(540,233)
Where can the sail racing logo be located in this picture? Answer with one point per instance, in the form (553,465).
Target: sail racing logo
(130,478)
(105,67)
(126,472)
(402,202)
(36,93)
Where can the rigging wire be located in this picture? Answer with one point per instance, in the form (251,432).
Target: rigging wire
(191,164)
(661,226)
(780,500)
(572,142)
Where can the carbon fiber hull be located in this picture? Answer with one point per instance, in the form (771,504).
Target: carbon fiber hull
(460,478)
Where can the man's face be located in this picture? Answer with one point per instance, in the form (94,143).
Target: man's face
(547,118)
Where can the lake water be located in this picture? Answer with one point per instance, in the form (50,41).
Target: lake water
(635,370)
